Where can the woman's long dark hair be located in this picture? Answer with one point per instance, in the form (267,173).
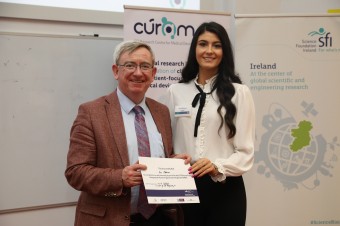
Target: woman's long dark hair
(226,73)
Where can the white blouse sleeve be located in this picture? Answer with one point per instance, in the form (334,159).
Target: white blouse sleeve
(242,158)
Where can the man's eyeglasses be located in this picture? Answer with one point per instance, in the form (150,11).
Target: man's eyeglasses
(131,67)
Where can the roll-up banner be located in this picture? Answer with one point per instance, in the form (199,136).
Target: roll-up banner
(169,32)
(292,66)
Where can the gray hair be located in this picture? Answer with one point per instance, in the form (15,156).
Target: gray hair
(130,46)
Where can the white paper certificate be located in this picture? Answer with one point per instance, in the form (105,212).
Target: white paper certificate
(167,180)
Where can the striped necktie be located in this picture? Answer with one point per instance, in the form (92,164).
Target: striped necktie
(143,207)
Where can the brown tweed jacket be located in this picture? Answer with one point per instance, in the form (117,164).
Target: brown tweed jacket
(97,155)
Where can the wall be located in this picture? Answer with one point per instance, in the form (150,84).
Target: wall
(43,81)
(285,6)
(65,215)
(63,33)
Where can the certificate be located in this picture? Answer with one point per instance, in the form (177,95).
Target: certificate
(167,180)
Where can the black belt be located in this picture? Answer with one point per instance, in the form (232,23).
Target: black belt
(137,218)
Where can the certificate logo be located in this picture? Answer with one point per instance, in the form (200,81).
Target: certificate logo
(189,192)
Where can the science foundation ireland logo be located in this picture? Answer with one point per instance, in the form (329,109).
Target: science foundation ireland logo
(290,152)
(317,41)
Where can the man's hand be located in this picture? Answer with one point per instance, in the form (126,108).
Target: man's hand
(132,176)
(185,157)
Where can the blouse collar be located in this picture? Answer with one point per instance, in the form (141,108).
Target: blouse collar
(209,83)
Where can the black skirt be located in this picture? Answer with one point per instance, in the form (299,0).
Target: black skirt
(221,204)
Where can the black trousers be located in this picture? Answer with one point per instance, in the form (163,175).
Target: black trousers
(157,219)
(221,204)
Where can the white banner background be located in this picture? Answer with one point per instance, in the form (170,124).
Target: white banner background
(157,28)
(292,66)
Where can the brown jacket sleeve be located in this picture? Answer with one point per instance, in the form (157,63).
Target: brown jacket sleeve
(92,165)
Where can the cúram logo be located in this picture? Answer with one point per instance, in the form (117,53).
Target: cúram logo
(165,27)
(325,38)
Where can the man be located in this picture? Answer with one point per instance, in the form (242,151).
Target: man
(102,161)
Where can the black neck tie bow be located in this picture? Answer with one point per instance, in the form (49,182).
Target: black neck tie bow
(201,96)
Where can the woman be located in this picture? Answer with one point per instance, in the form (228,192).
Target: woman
(213,120)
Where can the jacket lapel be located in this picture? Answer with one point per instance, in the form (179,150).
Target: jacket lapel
(114,114)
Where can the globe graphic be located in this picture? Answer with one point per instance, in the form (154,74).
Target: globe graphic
(282,161)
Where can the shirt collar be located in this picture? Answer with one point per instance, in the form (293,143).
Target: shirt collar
(127,104)
(209,83)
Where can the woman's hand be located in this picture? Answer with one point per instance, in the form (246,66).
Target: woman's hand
(202,167)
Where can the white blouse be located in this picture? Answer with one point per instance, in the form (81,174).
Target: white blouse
(232,157)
